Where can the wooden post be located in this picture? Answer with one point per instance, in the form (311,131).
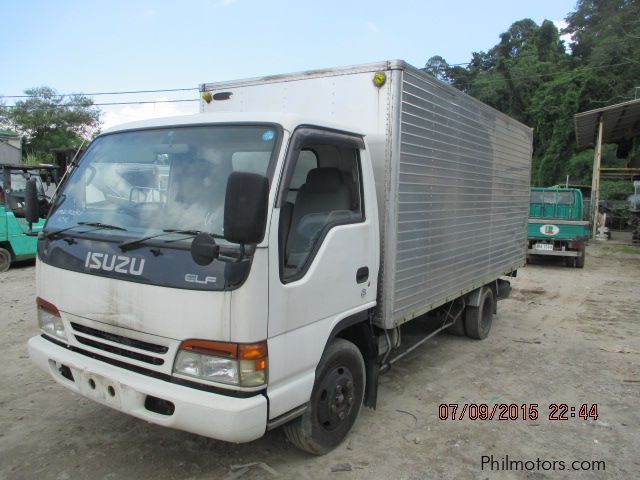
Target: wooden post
(595,182)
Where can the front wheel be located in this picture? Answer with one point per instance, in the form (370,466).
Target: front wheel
(5,259)
(335,400)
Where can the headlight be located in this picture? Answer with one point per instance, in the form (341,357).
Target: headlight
(244,365)
(49,320)
(207,367)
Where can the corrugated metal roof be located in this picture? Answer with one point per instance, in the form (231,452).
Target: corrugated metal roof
(8,133)
(620,120)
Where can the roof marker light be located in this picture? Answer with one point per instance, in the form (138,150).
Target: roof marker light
(379,79)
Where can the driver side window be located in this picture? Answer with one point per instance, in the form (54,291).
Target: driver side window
(324,191)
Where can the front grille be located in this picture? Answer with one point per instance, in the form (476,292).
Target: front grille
(112,337)
(82,334)
(120,351)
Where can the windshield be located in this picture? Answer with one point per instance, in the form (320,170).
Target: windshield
(559,198)
(147,181)
(552,197)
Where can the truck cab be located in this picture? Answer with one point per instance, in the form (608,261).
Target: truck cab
(173,324)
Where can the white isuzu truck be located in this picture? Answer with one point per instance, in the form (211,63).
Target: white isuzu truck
(256,265)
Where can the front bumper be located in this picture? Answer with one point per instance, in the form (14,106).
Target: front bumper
(555,253)
(204,413)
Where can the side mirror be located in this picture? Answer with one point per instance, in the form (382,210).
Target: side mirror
(245,208)
(32,205)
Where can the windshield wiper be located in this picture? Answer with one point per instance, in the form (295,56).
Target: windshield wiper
(102,225)
(139,242)
(191,232)
(97,225)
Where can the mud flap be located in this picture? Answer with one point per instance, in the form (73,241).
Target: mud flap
(503,288)
(473,298)
(371,387)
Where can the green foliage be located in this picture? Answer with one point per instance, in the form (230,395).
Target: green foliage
(37,158)
(530,76)
(580,165)
(47,120)
(438,67)
(615,190)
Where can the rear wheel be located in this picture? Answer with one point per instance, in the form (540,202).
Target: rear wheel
(335,400)
(579,262)
(5,259)
(478,320)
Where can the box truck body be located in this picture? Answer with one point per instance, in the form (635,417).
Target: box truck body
(452,174)
(354,200)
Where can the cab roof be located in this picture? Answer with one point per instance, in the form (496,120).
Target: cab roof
(288,121)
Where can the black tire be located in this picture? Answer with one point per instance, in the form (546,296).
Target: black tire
(580,260)
(5,259)
(477,321)
(335,400)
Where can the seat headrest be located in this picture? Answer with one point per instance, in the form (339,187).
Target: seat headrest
(323,180)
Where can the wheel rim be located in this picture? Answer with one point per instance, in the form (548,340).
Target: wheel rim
(336,397)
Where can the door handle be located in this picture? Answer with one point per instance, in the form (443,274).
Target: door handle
(362,275)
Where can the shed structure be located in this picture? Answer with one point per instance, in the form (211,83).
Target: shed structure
(10,147)
(619,123)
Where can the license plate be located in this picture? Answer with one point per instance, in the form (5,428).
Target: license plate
(544,246)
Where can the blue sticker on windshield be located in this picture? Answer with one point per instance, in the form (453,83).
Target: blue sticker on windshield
(268,135)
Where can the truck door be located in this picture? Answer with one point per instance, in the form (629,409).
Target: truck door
(326,263)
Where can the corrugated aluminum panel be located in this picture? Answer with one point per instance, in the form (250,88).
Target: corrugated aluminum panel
(462,197)
(619,121)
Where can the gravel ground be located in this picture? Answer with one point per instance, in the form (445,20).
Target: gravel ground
(565,336)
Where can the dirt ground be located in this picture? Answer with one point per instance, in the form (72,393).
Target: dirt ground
(566,336)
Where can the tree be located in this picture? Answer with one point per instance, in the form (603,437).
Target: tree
(438,67)
(606,36)
(530,76)
(48,120)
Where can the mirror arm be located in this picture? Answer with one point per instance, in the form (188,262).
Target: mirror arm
(232,255)
(242,253)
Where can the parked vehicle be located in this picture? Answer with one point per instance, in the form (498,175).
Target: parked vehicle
(585,190)
(262,267)
(557,226)
(634,210)
(15,242)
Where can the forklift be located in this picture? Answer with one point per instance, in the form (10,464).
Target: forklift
(18,239)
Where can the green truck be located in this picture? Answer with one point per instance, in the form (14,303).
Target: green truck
(16,243)
(556,225)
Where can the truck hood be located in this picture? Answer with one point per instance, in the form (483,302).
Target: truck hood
(173,313)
